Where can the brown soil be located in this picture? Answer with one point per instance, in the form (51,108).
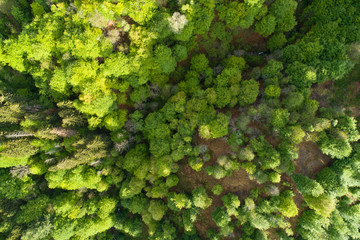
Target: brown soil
(311,160)
(322,93)
(252,39)
(239,183)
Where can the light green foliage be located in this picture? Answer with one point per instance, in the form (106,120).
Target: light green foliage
(279,118)
(232,203)
(273,91)
(269,157)
(164,58)
(178,201)
(323,205)
(217,189)
(286,204)
(220,217)
(274,177)
(91,226)
(195,163)
(76,178)
(307,186)
(216,128)
(141,12)
(248,93)
(200,198)
(16,152)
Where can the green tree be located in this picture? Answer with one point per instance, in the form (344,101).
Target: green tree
(284,13)
(266,26)
(323,205)
(307,186)
(164,58)
(200,198)
(221,217)
(157,209)
(249,90)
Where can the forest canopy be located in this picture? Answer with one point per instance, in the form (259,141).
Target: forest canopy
(179,119)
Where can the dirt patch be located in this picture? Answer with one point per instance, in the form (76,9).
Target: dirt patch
(251,39)
(311,160)
(238,183)
(322,93)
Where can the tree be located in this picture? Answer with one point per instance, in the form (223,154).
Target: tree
(272,91)
(249,90)
(135,157)
(164,58)
(141,12)
(307,186)
(266,26)
(232,203)
(276,41)
(217,189)
(177,22)
(16,152)
(14,188)
(336,148)
(216,128)
(286,204)
(38,230)
(272,69)
(189,217)
(301,75)
(157,209)
(293,101)
(178,201)
(280,117)
(312,225)
(199,63)
(220,217)
(33,209)
(323,205)
(200,198)
(283,11)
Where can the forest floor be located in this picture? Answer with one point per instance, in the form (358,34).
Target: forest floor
(238,183)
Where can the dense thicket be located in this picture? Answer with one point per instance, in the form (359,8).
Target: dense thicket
(104,102)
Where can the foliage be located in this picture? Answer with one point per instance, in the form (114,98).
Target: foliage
(116,114)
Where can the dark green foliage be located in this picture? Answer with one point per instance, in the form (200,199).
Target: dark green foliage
(248,93)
